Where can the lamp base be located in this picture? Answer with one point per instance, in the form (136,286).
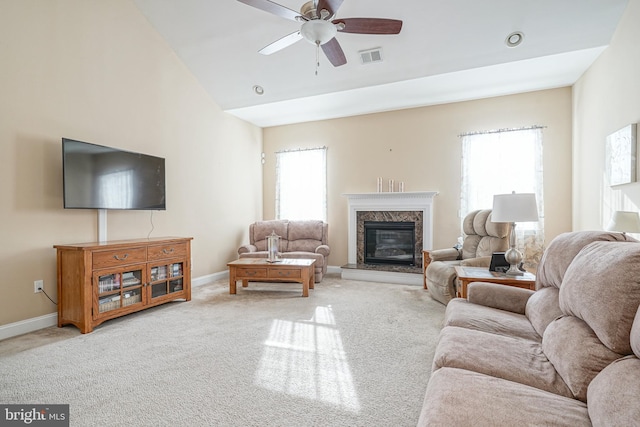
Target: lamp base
(514,271)
(513,257)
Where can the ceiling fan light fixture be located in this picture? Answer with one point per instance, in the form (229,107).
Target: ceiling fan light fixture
(514,39)
(318,31)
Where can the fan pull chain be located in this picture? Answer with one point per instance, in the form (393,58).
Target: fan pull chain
(317,56)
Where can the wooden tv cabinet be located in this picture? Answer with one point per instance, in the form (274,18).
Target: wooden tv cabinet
(99,281)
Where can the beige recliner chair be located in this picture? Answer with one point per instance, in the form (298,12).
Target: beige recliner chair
(482,238)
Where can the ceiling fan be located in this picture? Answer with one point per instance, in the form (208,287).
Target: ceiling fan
(319,26)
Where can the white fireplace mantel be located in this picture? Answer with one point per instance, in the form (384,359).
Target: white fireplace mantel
(401,201)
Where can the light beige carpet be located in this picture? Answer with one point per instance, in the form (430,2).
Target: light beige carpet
(352,354)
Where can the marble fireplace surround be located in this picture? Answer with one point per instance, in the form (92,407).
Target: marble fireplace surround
(414,204)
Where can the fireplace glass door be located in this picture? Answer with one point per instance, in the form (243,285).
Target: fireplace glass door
(388,242)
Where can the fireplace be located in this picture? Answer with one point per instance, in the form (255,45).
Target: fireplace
(416,207)
(390,221)
(389,242)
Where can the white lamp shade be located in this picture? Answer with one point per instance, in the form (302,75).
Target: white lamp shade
(628,222)
(514,208)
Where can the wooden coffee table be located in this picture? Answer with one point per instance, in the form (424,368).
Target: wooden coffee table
(260,270)
(467,275)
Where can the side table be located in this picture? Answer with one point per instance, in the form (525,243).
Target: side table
(426,260)
(467,275)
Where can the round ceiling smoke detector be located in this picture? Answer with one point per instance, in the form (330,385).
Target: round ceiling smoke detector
(258,90)
(514,39)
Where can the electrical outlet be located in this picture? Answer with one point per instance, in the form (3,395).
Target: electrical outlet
(38,285)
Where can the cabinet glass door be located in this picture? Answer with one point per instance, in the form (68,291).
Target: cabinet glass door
(118,289)
(166,279)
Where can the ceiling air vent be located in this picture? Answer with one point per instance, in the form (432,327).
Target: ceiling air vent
(370,56)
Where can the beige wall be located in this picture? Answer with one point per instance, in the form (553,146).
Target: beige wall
(96,71)
(606,98)
(421,147)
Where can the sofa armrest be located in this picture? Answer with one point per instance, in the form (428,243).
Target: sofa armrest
(449,254)
(247,248)
(483,261)
(502,297)
(324,250)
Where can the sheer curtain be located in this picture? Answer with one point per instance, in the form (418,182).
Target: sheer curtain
(301,184)
(499,162)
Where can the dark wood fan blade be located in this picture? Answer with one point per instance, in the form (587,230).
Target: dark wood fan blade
(274,8)
(280,44)
(334,52)
(331,6)
(369,25)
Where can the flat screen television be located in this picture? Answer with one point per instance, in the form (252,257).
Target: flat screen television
(99,177)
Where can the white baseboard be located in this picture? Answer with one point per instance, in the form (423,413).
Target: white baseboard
(203,280)
(28,325)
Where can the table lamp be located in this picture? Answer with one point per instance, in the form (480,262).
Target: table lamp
(624,221)
(514,208)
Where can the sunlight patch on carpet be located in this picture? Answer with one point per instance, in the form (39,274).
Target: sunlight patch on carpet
(307,359)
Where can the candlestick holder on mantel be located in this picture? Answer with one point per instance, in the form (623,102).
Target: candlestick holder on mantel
(391,186)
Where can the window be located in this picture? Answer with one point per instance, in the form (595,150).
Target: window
(301,184)
(499,162)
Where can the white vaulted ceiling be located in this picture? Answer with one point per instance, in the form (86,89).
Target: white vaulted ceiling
(448,51)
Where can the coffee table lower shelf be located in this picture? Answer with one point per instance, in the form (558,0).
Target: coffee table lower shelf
(260,270)
(467,275)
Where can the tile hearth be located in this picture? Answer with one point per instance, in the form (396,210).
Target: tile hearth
(383,267)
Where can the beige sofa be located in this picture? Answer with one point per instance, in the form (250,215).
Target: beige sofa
(565,355)
(298,239)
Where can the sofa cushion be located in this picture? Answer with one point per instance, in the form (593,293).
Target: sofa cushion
(635,334)
(602,287)
(462,313)
(304,236)
(561,251)
(576,352)
(543,307)
(509,298)
(614,394)
(482,246)
(303,245)
(514,359)
(305,230)
(262,229)
(457,397)
(470,246)
(476,224)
